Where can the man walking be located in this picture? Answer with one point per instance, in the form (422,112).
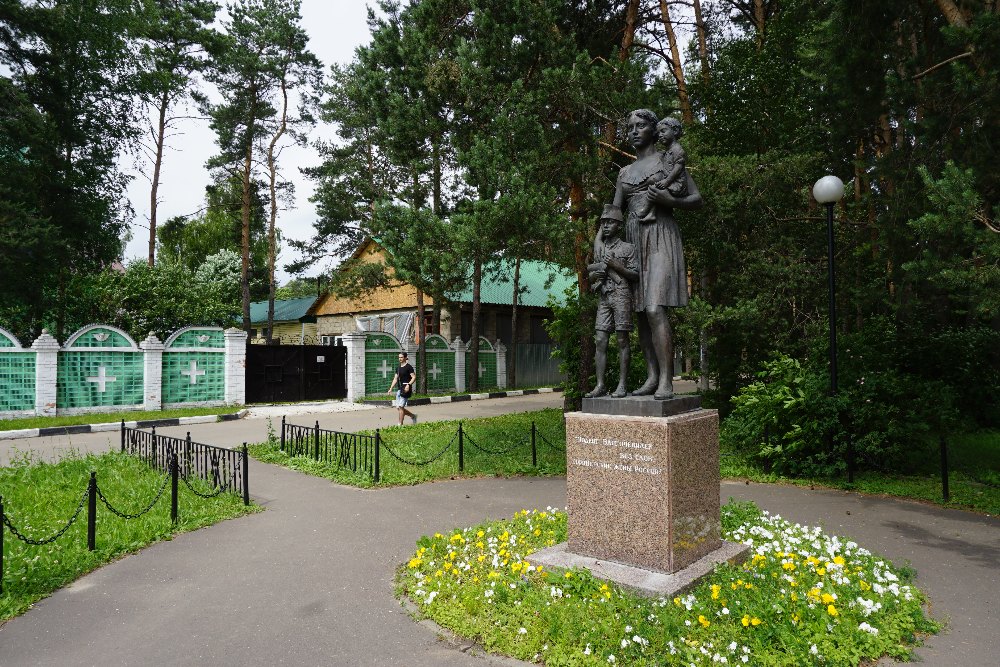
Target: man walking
(405,378)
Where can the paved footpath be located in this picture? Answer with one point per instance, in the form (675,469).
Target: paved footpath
(309,581)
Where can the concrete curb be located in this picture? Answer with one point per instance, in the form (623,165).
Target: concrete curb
(114,426)
(469,397)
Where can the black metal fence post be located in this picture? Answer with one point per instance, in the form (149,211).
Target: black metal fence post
(1,544)
(316,450)
(378,447)
(246,478)
(944,467)
(282,433)
(123,435)
(152,445)
(187,455)
(92,512)
(173,486)
(461,448)
(534,451)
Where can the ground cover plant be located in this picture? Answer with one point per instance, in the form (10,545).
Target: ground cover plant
(803,597)
(40,497)
(497,445)
(108,417)
(974,473)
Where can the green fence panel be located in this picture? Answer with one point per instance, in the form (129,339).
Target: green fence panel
(440,364)
(487,370)
(194,377)
(17,381)
(381,360)
(196,337)
(98,336)
(101,378)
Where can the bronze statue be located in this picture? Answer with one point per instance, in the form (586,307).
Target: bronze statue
(648,190)
(613,275)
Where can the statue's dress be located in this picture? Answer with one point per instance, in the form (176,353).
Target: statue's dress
(662,274)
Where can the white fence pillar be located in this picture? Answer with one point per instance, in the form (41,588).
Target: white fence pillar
(459,348)
(46,368)
(236,366)
(501,365)
(152,364)
(354,341)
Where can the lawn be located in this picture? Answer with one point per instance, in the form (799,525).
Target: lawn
(108,417)
(804,598)
(498,445)
(39,498)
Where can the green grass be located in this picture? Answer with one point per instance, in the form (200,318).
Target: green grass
(39,498)
(481,390)
(974,481)
(106,417)
(492,446)
(796,602)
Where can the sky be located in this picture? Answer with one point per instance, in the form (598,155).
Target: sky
(335,28)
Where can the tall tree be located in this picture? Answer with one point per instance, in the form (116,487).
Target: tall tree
(173,54)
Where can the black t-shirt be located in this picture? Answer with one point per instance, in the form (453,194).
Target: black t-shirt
(404,374)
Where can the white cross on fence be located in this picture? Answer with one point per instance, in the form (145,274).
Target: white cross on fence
(193,373)
(435,371)
(102,379)
(482,369)
(384,369)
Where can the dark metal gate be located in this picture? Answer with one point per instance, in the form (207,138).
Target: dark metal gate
(290,373)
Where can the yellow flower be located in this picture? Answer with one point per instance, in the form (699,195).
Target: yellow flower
(704,621)
(745,621)
(569,575)
(794,596)
(821,571)
(715,591)
(827,598)
(865,586)
(438,573)
(677,601)
(415,562)
(447,565)
(813,593)
(480,534)
(537,532)
(831,610)
(481,558)
(438,536)
(480,546)
(788,566)
(755,621)
(839,560)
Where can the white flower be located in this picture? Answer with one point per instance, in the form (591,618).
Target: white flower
(586,651)
(813,650)
(625,643)
(522,631)
(611,659)
(868,628)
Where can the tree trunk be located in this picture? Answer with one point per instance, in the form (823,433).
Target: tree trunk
(419,334)
(631,16)
(678,71)
(512,352)
(703,340)
(161,128)
(272,235)
(245,238)
(702,41)
(952,13)
(477,280)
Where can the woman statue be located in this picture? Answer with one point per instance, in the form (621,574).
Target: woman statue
(662,280)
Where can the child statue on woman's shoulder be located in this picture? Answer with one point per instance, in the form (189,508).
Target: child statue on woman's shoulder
(674,160)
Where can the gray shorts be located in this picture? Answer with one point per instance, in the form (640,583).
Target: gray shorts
(614,314)
(400,401)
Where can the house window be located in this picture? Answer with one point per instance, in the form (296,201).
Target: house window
(537,332)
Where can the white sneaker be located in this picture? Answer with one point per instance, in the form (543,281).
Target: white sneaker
(413,419)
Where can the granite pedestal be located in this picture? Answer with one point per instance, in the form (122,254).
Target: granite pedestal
(643,493)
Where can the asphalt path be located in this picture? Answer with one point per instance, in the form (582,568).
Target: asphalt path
(310,580)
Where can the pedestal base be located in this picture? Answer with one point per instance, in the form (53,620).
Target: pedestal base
(644,582)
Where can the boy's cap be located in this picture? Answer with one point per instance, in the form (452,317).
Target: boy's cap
(612,212)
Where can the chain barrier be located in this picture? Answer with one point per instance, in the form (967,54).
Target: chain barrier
(546,441)
(420,463)
(27,540)
(203,495)
(492,452)
(125,515)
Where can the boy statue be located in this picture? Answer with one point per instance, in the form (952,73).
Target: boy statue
(612,276)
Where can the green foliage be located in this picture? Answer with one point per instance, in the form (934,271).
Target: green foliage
(40,497)
(111,417)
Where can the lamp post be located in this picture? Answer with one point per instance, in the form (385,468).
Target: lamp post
(828,191)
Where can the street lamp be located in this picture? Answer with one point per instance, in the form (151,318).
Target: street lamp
(828,191)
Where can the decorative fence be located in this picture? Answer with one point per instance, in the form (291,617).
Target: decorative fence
(373,359)
(101,368)
(363,453)
(180,460)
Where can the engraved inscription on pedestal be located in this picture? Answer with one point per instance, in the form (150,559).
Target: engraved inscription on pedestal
(643,491)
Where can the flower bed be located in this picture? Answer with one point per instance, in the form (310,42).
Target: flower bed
(803,597)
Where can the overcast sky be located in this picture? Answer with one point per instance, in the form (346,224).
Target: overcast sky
(336,28)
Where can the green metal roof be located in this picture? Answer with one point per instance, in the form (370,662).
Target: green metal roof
(536,288)
(285,310)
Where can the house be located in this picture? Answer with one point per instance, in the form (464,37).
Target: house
(294,321)
(393,309)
